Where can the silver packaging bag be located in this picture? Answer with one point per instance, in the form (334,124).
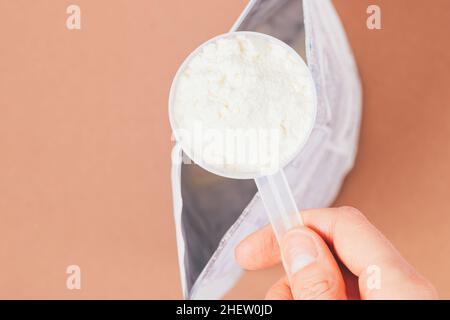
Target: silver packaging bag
(213,214)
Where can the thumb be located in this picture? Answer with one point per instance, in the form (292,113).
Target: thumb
(312,270)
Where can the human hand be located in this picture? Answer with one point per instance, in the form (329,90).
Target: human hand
(338,254)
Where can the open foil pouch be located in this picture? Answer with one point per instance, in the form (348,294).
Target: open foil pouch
(213,214)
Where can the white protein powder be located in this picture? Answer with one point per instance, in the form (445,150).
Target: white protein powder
(243,105)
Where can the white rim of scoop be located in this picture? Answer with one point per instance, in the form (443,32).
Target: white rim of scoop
(183,66)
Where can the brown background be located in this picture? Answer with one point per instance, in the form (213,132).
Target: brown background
(85,141)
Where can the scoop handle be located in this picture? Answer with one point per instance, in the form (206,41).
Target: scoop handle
(280,205)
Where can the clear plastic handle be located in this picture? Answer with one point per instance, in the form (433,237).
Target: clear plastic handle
(279,203)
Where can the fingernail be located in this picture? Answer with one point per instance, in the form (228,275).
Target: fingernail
(299,250)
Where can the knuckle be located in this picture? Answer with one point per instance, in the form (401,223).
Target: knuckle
(315,286)
(351,212)
(349,216)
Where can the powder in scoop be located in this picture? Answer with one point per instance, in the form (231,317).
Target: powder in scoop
(243,105)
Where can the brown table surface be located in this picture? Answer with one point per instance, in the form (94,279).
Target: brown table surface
(85,142)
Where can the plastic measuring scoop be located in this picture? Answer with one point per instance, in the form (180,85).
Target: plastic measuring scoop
(279,203)
(273,188)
